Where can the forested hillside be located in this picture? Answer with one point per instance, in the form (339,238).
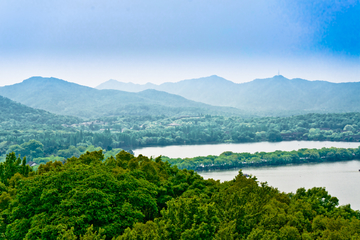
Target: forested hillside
(129,197)
(20,125)
(13,113)
(61,97)
(272,96)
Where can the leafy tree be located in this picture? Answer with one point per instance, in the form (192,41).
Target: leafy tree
(127,197)
(11,166)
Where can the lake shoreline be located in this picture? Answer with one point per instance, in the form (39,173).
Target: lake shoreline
(219,143)
(339,178)
(190,151)
(228,160)
(268,166)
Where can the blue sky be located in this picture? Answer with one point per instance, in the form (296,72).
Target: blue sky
(89,42)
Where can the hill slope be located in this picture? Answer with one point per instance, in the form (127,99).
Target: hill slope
(13,113)
(61,97)
(277,94)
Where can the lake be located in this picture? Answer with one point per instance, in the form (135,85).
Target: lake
(183,151)
(339,178)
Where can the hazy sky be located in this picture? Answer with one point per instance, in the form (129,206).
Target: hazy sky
(89,42)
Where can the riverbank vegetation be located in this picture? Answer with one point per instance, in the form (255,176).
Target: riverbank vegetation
(127,197)
(228,160)
(43,137)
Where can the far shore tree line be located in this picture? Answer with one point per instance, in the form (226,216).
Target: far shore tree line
(43,142)
(228,160)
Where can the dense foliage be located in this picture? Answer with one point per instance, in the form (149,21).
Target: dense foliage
(134,132)
(129,197)
(229,159)
(21,125)
(42,136)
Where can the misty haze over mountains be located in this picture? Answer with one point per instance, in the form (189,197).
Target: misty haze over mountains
(275,96)
(260,95)
(65,98)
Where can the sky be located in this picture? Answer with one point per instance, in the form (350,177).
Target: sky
(89,42)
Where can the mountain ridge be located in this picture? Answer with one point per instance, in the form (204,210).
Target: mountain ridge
(274,94)
(66,98)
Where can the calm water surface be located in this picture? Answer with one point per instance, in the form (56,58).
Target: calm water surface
(341,179)
(184,151)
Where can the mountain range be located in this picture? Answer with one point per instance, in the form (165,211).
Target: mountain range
(276,96)
(65,98)
(272,95)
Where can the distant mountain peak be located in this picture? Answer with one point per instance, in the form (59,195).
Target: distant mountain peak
(36,79)
(279,76)
(124,86)
(112,80)
(274,78)
(212,77)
